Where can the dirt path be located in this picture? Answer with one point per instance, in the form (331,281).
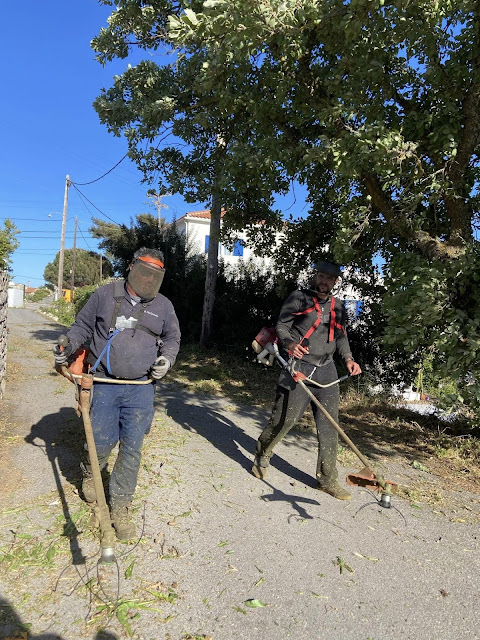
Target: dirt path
(217,544)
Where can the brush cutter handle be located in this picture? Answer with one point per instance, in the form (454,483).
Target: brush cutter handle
(62,341)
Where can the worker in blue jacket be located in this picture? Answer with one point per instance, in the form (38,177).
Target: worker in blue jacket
(310,329)
(133,334)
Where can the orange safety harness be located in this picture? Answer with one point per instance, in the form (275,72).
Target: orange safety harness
(333,325)
(333,319)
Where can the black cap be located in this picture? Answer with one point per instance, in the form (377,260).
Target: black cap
(328,267)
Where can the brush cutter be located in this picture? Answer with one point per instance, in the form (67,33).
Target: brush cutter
(365,477)
(83,382)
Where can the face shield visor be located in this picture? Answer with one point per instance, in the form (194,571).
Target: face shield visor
(145,277)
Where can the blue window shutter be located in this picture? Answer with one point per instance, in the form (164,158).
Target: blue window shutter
(238,248)
(359,307)
(207,241)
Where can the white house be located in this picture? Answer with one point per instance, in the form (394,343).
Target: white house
(195,225)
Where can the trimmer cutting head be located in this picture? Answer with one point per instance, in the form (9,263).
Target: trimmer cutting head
(366,478)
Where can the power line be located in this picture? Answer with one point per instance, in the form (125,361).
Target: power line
(82,184)
(89,201)
(29,219)
(81,233)
(18,275)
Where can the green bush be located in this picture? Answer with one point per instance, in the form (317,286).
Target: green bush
(39,294)
(81,296)
(63,311)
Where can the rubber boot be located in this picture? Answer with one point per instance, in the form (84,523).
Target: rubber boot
(122,521)
(260,466)
(88,486)
(335,490)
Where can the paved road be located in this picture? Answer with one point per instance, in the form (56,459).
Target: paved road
(215,539)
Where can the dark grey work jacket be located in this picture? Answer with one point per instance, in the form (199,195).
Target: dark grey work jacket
(133,350)
(293,327)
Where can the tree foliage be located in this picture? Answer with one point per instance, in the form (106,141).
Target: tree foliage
(8,243)
(373,105)
(86,271)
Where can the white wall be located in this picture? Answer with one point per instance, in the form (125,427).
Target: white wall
(15,296)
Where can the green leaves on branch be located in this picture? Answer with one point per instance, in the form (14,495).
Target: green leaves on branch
(8,243)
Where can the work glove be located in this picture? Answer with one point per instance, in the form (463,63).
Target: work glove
(160,367)
(61,355)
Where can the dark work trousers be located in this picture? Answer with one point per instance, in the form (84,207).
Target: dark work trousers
(121,413)
(291,404)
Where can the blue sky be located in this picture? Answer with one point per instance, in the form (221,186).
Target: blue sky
(50,129)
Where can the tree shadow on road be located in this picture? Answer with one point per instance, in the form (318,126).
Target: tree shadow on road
(60,436)
(209,421)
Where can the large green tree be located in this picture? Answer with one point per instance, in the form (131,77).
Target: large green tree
(178,143)
(8,243)
(86,271)
(374,106)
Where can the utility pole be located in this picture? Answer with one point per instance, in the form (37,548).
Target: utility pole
(157,201)
(62,241)
(72,282)
(101,275)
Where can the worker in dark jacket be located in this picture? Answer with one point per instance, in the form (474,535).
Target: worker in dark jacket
(133,334)
(310,328)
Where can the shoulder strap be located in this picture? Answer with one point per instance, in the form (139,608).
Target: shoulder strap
(118,294)
(333,322)
(318,320)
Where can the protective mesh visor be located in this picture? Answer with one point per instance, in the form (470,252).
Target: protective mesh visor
(145,280)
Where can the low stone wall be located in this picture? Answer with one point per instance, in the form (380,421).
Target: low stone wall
(3,329)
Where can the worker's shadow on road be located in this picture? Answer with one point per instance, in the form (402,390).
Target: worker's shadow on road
(209,421)
(296,501)
(60,436)
(11,627)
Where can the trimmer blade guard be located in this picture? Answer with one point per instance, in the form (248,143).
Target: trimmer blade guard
(366,478)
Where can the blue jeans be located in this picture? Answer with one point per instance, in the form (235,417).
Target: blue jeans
(121,413)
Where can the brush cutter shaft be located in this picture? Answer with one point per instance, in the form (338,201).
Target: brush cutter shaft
(273,348)
(103,514)
(341,432)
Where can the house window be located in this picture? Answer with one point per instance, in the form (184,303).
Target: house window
(238,248)
(223,251)
(354,307)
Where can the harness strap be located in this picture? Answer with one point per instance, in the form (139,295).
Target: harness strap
(333,321)
(316,308)
(119,295)
(106,348)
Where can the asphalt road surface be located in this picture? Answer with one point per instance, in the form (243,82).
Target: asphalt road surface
(222,555)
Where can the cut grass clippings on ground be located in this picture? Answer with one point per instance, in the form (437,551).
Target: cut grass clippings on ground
(382,431)
(239,378)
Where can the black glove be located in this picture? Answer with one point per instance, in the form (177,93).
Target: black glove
(160,367)
(61,356)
